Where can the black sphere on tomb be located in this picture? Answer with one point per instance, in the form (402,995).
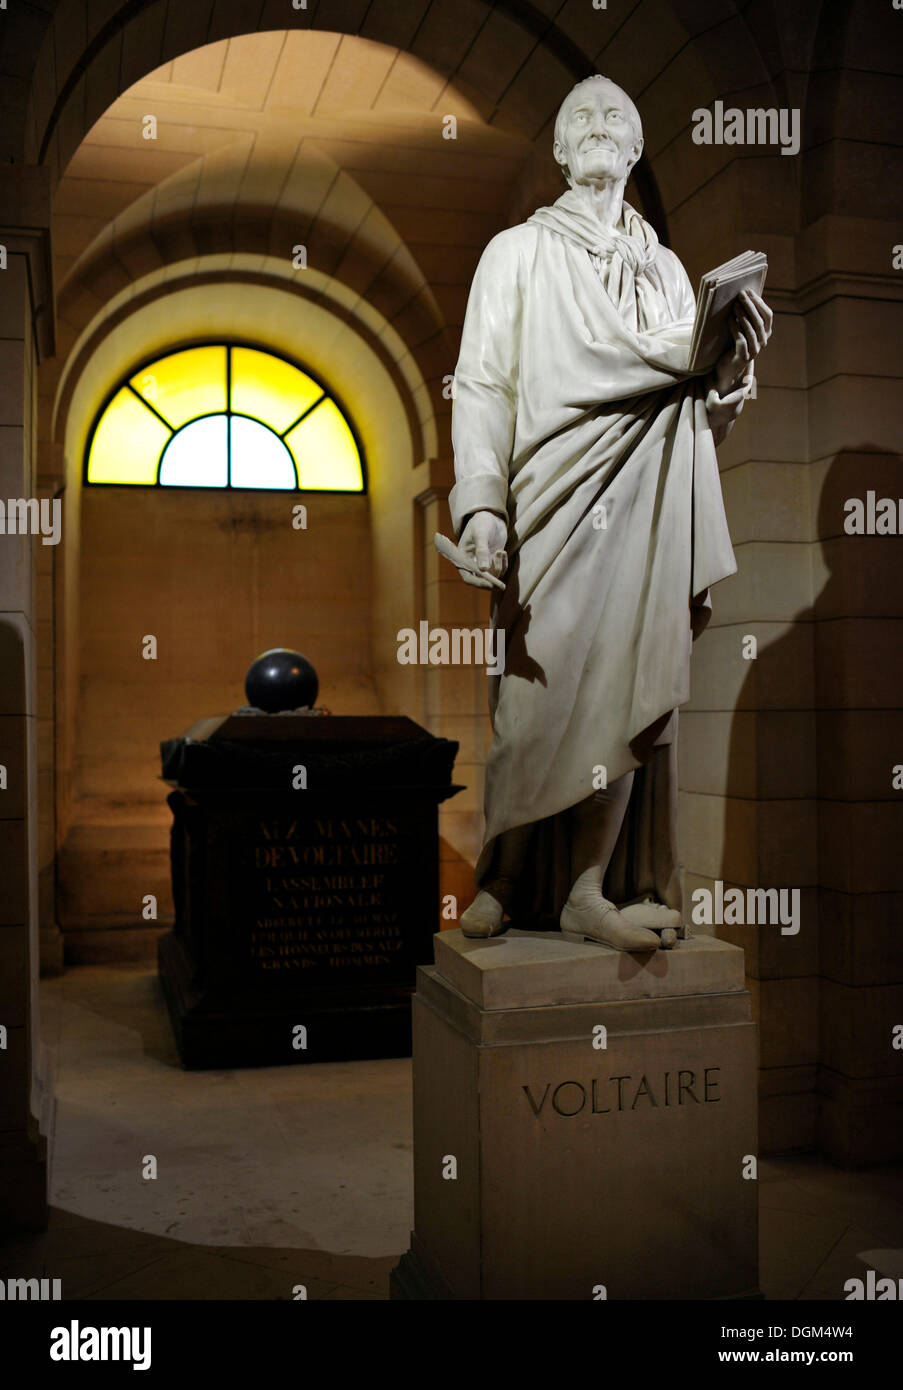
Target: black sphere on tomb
(281,680)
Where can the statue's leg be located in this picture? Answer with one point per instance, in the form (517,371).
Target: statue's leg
(486,914)
(587,915)
(595,827)
(656,906)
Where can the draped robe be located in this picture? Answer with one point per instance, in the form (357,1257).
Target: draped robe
(576,420)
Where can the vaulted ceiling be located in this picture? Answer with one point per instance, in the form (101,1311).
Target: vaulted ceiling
(296,128)
(269,142)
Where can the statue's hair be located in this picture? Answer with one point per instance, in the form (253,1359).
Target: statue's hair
(633,114)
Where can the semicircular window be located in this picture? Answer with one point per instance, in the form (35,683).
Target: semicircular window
(224,415)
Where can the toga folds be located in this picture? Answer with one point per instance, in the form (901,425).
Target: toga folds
(575,419)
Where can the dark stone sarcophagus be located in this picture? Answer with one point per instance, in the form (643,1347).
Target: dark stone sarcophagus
(305,875)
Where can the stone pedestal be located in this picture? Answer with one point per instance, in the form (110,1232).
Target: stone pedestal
(582,1120)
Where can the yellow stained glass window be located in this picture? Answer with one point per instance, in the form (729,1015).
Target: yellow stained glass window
(224,415)
(324,448)
(184,385)
(127,442)
(267,388)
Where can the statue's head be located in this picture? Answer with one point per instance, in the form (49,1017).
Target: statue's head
(598,133)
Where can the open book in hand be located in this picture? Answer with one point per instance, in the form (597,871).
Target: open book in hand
(718,289)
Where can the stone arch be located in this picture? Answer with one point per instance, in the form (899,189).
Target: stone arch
(515,60)
(282,578)
(315,289)
(381,271)
(732,47)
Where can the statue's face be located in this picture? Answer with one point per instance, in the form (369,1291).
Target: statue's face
(598,140)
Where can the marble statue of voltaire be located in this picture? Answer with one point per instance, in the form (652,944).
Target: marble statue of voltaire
(586,476)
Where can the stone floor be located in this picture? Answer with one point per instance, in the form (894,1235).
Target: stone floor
(274,1177)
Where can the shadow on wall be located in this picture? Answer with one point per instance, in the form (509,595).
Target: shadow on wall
(811,757)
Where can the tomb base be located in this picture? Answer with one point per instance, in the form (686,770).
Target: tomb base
(583,1120)
(301,911)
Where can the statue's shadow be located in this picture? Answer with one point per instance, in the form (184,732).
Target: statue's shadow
(515,619)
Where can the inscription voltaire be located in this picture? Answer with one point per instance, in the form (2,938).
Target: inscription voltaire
(675,1089)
